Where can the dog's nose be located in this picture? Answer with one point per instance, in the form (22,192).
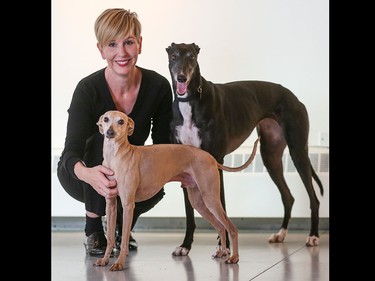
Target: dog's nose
(110,133)
(181,78)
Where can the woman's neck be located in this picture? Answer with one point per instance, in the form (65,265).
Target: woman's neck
(124,89)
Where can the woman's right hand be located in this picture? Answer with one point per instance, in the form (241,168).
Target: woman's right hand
(99,177)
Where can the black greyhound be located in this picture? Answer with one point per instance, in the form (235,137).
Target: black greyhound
(218,118)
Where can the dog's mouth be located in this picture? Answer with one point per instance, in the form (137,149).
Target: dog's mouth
(181,88)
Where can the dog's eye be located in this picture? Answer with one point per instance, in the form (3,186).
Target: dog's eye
(173,57)
(105,119)
(120,122)
(191,56)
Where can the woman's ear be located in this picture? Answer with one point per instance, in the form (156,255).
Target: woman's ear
(100,48)
(140,45)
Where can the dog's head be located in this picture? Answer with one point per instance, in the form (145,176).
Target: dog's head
(115,124)
(183,63)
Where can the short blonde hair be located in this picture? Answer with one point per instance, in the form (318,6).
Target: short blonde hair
(116,23)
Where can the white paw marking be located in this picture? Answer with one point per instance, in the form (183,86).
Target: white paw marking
(278,237)
(312,241)
(180,251)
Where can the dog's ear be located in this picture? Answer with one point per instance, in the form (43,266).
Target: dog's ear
(130,126)
(196,47)
(169,47)
(99,123)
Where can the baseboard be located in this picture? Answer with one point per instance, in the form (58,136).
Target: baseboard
(178,224)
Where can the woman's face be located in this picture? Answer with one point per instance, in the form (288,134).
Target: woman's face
(121,54)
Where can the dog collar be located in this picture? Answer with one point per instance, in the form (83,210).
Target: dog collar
(192,97)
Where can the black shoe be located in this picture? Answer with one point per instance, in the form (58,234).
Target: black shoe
(133,245)
(96,244)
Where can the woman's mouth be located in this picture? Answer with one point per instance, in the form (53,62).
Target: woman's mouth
(123,62)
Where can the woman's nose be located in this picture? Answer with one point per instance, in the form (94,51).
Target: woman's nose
(122,50)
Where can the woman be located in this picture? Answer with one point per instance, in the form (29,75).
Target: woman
(142,94)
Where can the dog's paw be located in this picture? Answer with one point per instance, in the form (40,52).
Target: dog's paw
(180,251)
(116,267)
(221,253)
(101,262)
(232,260)
(278,237)
(312,241)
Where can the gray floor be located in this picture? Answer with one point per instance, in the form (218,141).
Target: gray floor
(259,260)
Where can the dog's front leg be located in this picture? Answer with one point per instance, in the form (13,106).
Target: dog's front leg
(111,213)
(128,210)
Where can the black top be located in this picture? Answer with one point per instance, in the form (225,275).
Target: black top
(92,98)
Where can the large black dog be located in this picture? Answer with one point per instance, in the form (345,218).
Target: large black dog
(218,118)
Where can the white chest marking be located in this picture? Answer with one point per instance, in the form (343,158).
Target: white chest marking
(187,133)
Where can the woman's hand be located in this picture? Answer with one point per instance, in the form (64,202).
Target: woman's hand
(99,177)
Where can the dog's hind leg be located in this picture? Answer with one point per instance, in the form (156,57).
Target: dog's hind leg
(297,140)
(184,248)
(303,166)
(222,199)
(198,203)
(234,238)
(272,145)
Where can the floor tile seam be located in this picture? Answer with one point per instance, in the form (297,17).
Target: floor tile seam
(278,262)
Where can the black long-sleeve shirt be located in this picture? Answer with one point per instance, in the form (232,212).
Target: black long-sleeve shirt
(91,98)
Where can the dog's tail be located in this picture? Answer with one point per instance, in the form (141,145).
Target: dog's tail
(245,165)
(317,180)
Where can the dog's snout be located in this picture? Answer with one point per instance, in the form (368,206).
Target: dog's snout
(110,133)
(181,78)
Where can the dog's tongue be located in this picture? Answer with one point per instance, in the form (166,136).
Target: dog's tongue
(181,88)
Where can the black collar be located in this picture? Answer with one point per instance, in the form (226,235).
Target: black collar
(191,97)
(187,99)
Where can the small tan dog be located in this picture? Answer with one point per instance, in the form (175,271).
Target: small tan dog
(141,171)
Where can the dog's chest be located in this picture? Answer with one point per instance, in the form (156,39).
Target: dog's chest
(187,133)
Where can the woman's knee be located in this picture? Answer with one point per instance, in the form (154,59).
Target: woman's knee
(72,186)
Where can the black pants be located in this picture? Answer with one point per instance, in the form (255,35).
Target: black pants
(94,202)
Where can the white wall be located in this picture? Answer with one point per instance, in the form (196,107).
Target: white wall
(286,42)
